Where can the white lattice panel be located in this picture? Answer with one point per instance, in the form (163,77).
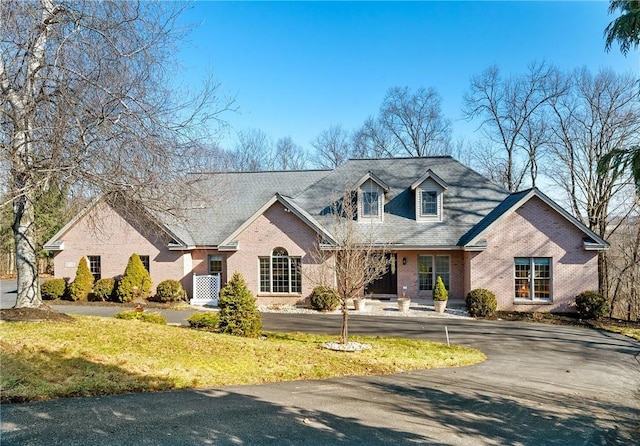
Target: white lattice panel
(206,290)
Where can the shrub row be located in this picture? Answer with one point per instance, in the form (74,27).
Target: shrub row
(134,283)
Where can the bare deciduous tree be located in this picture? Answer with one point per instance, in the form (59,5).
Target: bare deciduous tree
(85,99)
(289,155)
(512,114)
(354,257)
(598,114)
(333,147)
(624,266)
(253,151)
(415,120)
(373,140)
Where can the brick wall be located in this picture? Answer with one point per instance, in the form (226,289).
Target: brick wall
(408,274)
(105,233)
(534,230)
(275,228)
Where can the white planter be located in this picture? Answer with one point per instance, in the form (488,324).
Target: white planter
(360,304)
(403,305)
(439,305)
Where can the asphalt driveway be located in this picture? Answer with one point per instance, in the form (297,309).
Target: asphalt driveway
(541,385)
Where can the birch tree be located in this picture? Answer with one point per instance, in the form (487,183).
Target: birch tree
(86,99)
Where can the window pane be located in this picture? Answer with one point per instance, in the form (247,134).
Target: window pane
(370,204)
(296,276)
(542,268)
(522,288)
(95,267)
(215,264)
(429,202)
(425,273)
(541,290)
(265,277)
(442,269)
(280,275)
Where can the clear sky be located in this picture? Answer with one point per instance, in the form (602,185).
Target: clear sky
(297,67)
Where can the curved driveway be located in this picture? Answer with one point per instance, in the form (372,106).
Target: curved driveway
(541,385)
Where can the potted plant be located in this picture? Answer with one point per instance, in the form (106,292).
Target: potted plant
(404,303)
(440,296)
(360,303)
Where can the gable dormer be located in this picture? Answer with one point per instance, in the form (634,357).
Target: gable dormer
(371,190)
(429,196)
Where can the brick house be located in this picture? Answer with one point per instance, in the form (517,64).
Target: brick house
(435,216)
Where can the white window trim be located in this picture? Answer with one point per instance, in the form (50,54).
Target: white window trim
(434,273)
(370,186)
(429,186)
(533,299)
(291,272)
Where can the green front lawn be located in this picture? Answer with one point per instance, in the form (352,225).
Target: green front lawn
(99,356)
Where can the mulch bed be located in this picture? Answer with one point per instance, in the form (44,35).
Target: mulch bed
(43,313)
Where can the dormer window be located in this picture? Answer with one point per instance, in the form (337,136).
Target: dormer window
(371,190)
(370,204)
(429,203)
(429,194)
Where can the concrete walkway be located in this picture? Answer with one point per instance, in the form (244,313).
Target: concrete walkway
(541,385)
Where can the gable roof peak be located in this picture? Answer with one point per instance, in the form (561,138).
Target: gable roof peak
(429,174)
(375,178)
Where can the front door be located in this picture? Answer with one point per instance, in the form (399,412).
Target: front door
(388,283)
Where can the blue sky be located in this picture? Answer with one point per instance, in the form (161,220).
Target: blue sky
(296,67)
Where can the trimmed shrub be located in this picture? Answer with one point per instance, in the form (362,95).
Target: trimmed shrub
(591,305)
(170,291)
(481,302)
(103,289)
(131,315)
(324,298)
(440,291)
(53,289)
(83,282)
(204,320)
(135,281)
(239,315)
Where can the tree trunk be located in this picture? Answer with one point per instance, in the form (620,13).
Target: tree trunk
(344,332)
(603,282)
(26,256)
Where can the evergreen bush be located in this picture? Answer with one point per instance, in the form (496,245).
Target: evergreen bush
(324,298)
(135,281)
(153,318)
(170,291)
(53,289)
(204,320)
(481,302)
(83,282)
(440,291)
(591,305)
(239,314)
(103,289)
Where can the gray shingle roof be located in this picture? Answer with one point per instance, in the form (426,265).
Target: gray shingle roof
(468,198)
(237,196)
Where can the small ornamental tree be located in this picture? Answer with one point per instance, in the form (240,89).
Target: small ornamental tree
(83,282)
(135,281)
(440,291)
(239,314)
